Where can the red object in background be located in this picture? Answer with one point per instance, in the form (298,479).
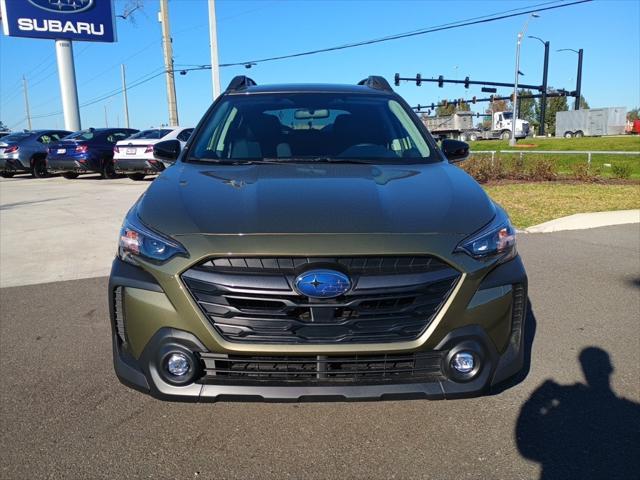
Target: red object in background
(633,127)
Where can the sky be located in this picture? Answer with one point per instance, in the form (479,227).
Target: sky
(607,30)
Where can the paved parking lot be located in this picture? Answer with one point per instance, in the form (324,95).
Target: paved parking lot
(64,414)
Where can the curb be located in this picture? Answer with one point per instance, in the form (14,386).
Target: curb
(583,221)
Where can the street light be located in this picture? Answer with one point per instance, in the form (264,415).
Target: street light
(514,114)
(543,99)
(576,105)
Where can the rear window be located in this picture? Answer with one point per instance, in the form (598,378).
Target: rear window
(153,134)
(15,137)
(82,135)
(311,126)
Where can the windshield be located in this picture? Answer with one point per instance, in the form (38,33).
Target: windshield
(507,115)
(15,137)
(312,126)
(150,134)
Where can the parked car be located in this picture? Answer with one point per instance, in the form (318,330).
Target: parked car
(25,152)
(314,242)
(134,156)
(86,151)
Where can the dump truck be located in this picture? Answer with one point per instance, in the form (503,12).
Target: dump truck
(460,126)
(591,122)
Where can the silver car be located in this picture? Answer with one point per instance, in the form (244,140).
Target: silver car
(26,152)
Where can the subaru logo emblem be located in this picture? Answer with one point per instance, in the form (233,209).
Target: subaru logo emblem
(63,6)
(322,283)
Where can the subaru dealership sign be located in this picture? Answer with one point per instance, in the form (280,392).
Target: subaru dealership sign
(88,20)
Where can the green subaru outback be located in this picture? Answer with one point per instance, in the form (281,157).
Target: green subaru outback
(313,242)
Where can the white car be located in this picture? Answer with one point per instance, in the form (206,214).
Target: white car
(134,156)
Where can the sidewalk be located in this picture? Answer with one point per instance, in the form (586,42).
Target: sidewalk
(581,221)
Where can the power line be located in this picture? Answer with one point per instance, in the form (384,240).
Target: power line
(449,26)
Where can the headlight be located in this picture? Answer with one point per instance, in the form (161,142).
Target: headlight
(137,240)
(496,239)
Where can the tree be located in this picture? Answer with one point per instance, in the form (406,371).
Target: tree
(583,102)
(451,108)
(554,105)
(633,114)
(527,107)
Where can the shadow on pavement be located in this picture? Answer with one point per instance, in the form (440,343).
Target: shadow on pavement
(581,430)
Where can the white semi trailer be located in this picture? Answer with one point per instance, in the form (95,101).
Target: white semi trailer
(460,126)
(591,122)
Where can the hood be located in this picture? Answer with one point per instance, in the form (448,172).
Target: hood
(322,198)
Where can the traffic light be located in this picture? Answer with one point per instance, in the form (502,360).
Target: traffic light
(396,79)
(418,80)
(473,99)
(445,103)
(466,82)
(440,81)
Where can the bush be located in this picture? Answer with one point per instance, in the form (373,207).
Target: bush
(622,170)
(585,172)
(483,169)
(543,169)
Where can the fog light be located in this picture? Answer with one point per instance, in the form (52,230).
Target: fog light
(178,364)
(463,362)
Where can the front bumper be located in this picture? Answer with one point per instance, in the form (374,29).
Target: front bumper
(138,165)
(501,355)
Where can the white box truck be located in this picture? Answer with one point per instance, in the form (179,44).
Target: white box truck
(591,122)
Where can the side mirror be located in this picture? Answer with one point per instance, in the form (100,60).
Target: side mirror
(167,150)
(455,150)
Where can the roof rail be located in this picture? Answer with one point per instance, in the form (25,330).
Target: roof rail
(240,82)
(377,82)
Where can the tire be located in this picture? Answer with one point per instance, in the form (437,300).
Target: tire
(473,137)
(136,176)
(463,137)
(568,135)
(70,175)
(579,134)
(108,170)
(6,174)
(505,135)
(39,168)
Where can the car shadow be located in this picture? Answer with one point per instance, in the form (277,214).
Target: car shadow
(582,430)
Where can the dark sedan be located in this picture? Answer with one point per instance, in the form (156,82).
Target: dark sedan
(26,152)
(86,151)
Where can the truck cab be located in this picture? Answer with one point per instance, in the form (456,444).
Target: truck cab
(502,124)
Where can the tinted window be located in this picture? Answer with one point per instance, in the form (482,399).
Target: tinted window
(150,134)
(82,135)
(185,134)
(311,125)
(117,136)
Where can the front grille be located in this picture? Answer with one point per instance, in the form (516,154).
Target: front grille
(386,368)
(252,300)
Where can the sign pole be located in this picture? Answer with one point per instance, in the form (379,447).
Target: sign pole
(68,89)
(213,40)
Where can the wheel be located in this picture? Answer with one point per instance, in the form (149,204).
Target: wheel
(6,174)
(136,176)
(473,137)
(70,175)
(39,168)
(568,134)
(108,170)
(463,137)
(579,134)
(506,135)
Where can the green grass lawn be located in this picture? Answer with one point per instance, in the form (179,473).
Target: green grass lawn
(602,161)
(533,203)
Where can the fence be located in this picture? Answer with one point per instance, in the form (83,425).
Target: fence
(588,153)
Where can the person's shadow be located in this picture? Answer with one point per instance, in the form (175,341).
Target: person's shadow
(582,431)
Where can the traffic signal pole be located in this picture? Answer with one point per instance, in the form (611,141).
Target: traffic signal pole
(543,98)
(576,106)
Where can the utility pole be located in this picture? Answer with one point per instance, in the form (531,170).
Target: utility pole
(213,41)
(543,99)
(124,95)
(106,119)
(576,106)
(168,62)
(26,101)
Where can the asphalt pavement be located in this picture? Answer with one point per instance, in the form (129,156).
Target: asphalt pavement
(575,415)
